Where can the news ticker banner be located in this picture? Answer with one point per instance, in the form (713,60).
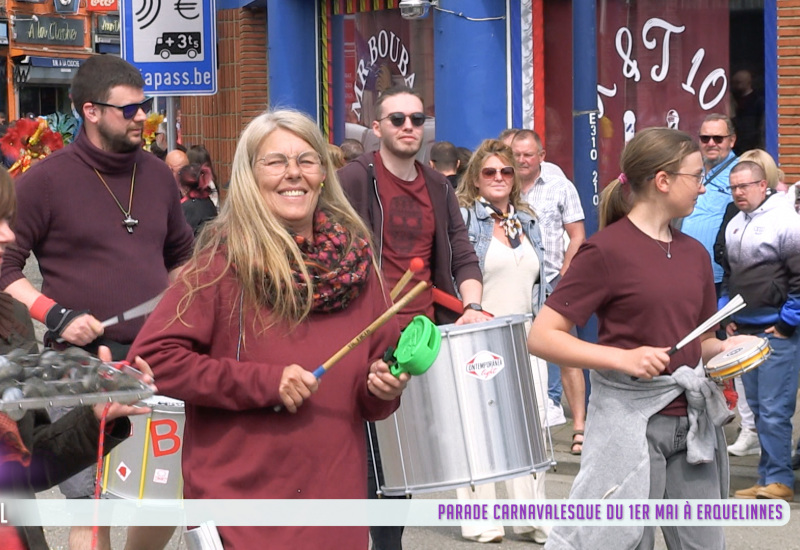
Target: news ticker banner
(409,512)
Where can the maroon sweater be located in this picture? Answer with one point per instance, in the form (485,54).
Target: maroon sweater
(88,260)
(235,445)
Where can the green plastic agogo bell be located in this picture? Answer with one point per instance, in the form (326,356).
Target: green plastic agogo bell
(417,348)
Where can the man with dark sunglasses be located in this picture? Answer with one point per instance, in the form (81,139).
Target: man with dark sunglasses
(412,212)
(104,219)
(717,138)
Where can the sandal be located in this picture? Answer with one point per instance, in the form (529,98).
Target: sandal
(577,443)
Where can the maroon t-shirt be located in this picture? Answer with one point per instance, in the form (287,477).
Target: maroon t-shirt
(408,228)
(641,297)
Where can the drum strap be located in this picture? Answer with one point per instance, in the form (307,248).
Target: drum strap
(241,324)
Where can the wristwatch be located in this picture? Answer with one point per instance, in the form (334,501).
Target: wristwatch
(473,306)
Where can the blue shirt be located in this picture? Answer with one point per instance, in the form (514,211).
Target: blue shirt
(704,222)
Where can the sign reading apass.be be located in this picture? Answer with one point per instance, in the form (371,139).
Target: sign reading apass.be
(173,43)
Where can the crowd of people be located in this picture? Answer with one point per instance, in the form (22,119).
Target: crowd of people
(263,286)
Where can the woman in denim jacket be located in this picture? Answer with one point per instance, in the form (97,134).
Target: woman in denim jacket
(504,231)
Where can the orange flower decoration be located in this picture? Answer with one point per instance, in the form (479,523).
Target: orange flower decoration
(150,128)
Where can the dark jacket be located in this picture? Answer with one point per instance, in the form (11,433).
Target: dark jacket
(198,212)
(454,260)
(58,450)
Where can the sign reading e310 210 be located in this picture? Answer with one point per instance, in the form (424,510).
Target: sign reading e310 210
(173,43)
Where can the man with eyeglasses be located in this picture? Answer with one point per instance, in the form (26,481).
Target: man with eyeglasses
(106,226)
(558,207)
(412,212)
(717,139)
(763,246)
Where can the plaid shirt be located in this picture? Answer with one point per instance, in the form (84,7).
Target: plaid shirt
(555,201)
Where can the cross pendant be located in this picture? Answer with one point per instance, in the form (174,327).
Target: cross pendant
(129,223)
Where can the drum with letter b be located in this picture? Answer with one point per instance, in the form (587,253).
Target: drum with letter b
(471,419)
(148,463)
(738,360)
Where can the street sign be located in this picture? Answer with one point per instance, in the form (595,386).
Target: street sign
(173,43)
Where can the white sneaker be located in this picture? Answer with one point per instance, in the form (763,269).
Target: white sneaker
(492,535)
(555,414)
(539,536)
(746,444)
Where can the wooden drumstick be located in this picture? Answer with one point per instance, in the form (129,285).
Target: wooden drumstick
(373,326)
(415,267)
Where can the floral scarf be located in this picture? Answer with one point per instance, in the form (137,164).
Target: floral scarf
(338,269)
(508,221)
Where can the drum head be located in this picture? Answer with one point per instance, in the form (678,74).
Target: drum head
(738,354)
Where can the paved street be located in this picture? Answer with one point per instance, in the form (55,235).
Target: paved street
(743,474)
(558,484)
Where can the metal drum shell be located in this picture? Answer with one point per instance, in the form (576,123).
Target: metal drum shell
(155,465)
(454,429)
(737,361)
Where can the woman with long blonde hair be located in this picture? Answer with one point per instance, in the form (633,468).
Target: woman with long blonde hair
(281,280)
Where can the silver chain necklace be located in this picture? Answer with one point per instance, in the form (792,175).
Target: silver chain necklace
(669,246)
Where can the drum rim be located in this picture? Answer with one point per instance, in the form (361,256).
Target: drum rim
(740,367)
(758,349)
(497,322)
(154,404)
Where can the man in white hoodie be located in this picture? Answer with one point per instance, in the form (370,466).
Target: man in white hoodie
(763,246)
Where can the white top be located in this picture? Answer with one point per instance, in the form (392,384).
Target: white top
(508,278)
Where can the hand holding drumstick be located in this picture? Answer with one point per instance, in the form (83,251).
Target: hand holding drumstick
(297,384)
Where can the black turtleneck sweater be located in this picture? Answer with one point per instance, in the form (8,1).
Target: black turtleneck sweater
(88,260)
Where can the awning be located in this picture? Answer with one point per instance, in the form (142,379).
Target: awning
(237,4)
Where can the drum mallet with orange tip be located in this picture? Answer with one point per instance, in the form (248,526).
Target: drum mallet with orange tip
(415,267)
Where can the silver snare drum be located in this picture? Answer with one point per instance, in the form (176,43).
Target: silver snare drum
(148,463)
(471,419)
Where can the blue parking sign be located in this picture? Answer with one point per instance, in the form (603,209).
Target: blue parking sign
(173,43)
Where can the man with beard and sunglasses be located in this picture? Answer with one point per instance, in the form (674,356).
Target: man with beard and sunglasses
(717,138)
(106,226)
(412,212)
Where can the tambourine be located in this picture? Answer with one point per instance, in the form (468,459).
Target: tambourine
(738,360)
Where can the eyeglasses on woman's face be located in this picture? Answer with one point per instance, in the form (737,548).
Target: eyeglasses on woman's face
(277,164)
(698,177)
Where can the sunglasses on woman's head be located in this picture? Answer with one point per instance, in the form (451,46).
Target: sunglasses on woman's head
(505,171)
(398,119)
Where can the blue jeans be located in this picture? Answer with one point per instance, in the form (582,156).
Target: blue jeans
(771,391)
(554,387)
